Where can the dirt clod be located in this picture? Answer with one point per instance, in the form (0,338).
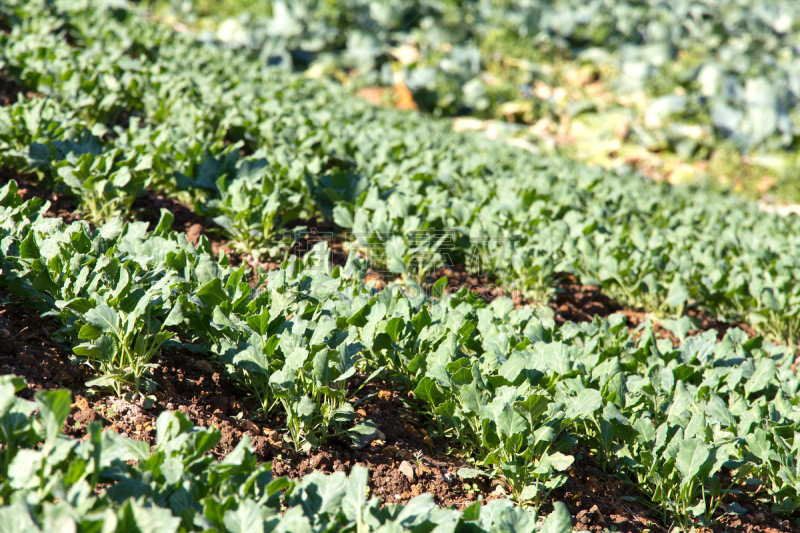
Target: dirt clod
(407,470)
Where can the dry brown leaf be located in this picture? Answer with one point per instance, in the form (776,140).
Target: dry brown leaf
(373,95)
(385,395)
(766,183)
(404,98)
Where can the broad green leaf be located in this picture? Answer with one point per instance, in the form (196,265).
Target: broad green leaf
(54,407)
(586,403)
(764,372)
(154,519)
(124,449)
(555,356)
(470,473)
(104,318)
(559,521)
(213,293)
(692,457)
(176,315)
(353,505)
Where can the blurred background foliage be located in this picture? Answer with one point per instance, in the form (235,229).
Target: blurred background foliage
(688,91)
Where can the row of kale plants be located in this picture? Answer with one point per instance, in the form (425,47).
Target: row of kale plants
(124,104)
(50,482)
(691,426)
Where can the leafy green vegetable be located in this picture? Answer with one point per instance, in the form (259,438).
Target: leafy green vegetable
(52,482)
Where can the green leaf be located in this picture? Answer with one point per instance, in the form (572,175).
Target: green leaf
(324,326)
(677,295)
(394,327)
(105,319)
(428,391)
(164,222)
(584,405)
(106,381)
(305,407)
(680,328)
(508,420)
(213,293)
(259,322)
(716,408)
(322,369)
(14,384)
(87,332)
(54,407)
(153,519)
(556,356)
(396,265)
(759,445)
(559,521)
(16,518)
(172,468)
(354,503)
(362,434)
(439,287)
(342,216)
(764,372)
(321,494)
(124,449)
(470,473)
(561,462)
(418,508)
(421,320)
(177,314)
(28,248)
(692,457)
(513,367)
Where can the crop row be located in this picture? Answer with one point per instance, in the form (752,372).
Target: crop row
(687,425)
(127,105)
(191,114)
(50,482)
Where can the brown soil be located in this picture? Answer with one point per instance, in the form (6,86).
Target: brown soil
(10,90)
(148,206)
(575,302)
(599,501)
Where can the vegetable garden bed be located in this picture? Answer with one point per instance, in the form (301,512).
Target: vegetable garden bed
(255,252)
(596,500)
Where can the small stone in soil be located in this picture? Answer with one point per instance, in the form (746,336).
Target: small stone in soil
(27,359)
(407,470)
